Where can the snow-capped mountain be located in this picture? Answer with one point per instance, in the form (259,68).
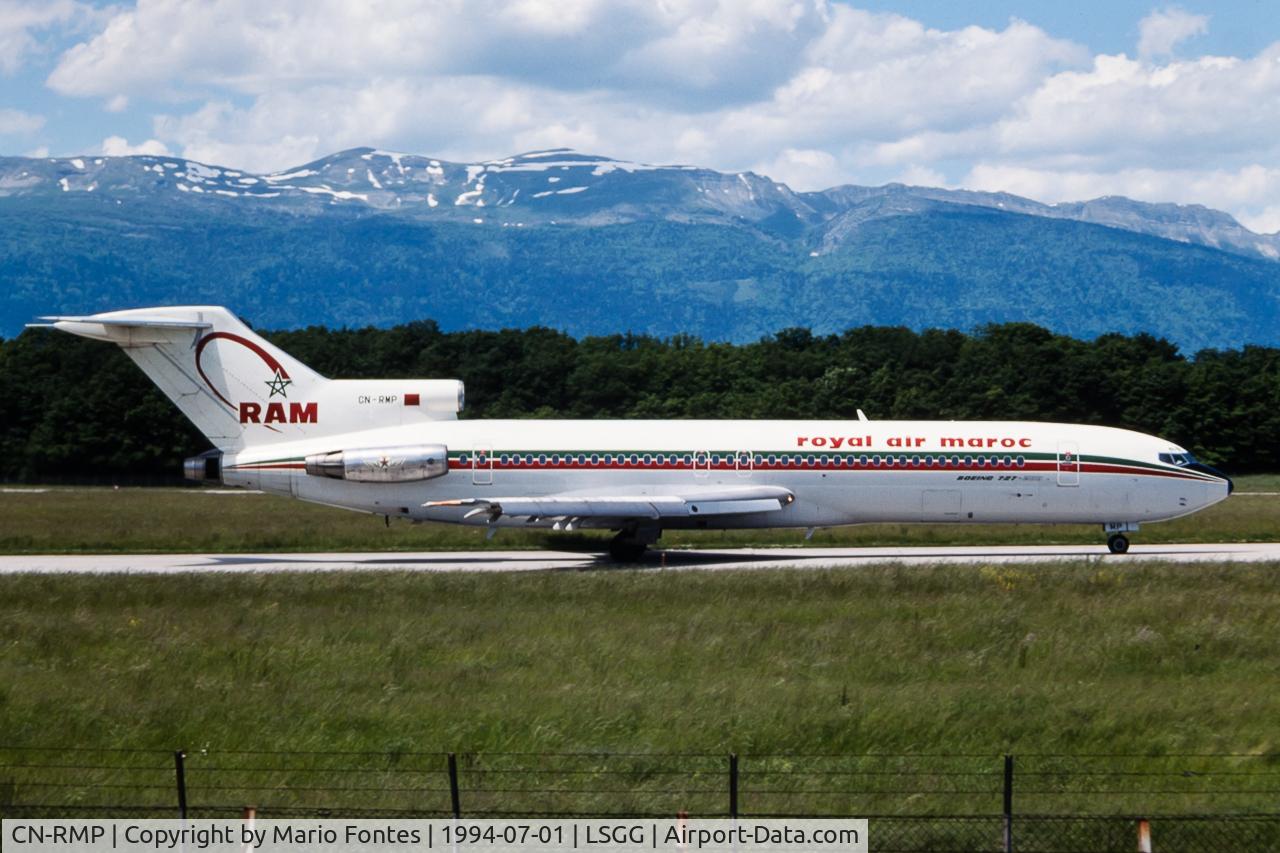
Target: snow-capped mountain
(561,185)
(595,245)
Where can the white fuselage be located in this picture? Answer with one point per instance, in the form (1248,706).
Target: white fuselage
(841,472)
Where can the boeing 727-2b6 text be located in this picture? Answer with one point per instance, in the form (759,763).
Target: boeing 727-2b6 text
(395,447)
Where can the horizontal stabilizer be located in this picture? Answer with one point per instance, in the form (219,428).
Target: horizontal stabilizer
(136,330)
(103,320)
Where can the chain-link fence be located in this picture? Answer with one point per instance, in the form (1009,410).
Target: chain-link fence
(1028,803)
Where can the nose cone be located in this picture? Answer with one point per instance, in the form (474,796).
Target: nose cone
(1223,487)
(1220,489)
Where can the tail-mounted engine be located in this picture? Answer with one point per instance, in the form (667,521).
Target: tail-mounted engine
(382,464)
(207,467)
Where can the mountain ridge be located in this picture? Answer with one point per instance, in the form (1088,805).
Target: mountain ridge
(419,185)
(593,245)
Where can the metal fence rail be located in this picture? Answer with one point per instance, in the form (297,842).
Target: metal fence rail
(915,802)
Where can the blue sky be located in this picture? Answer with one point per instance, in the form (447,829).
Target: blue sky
(1237,27)
(1057,101)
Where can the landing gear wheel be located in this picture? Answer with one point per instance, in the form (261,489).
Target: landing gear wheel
(1118,543)
(624,549)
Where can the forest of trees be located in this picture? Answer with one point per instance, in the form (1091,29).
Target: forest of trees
(78,410)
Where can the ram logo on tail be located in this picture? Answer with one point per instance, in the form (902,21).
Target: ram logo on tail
(277,384)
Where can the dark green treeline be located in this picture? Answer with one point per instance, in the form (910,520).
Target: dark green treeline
(78,410)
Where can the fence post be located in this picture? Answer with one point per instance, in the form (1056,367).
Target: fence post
(250,817)
(1144,835)
(1008,804)
(453,786)
(733,785)
(180,773)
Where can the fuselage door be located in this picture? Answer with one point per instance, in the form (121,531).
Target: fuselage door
(701,463)
(742,461)
(482,465)
(1068,463)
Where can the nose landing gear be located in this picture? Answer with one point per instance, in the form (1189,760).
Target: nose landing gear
(1117,542)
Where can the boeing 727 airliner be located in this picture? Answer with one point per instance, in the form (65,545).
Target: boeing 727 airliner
(395,447)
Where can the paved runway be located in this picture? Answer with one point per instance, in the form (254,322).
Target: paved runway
(702,559)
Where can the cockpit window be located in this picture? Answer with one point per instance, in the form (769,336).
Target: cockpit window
(1181,459)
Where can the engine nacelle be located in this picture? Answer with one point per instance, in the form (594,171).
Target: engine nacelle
(382,464)
(207,467)
(442,396)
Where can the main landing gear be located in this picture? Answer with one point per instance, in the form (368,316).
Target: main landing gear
(625,550)
(630,544)
(1117,542)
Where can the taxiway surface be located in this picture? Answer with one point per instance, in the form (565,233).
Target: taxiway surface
(700,559)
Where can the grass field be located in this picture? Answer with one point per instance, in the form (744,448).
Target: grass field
(177,520)
(943,668)
(1148,659)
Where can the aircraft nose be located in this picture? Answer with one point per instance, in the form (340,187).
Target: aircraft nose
(1213,472)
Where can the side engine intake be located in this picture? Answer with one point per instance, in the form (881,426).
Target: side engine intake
(382,464)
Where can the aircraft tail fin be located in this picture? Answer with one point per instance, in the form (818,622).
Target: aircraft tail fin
(235,386)
(242,391)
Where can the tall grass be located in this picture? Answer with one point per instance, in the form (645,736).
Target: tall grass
(1059,658)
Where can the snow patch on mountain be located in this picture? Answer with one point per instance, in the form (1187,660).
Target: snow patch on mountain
(289,176)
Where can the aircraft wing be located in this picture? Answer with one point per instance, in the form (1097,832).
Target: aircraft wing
(730,501)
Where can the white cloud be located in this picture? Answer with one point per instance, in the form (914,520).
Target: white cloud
(218,133)
(892,90)
(177,49)
(1250,191)
(464,118)
(19,122)
(922,176)
(1162,31)
(1124,113)
(1265,221)
(801,169)
(117,104)
(118,146)
(21,20)
(735,51)
(930,145)
(558,134)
